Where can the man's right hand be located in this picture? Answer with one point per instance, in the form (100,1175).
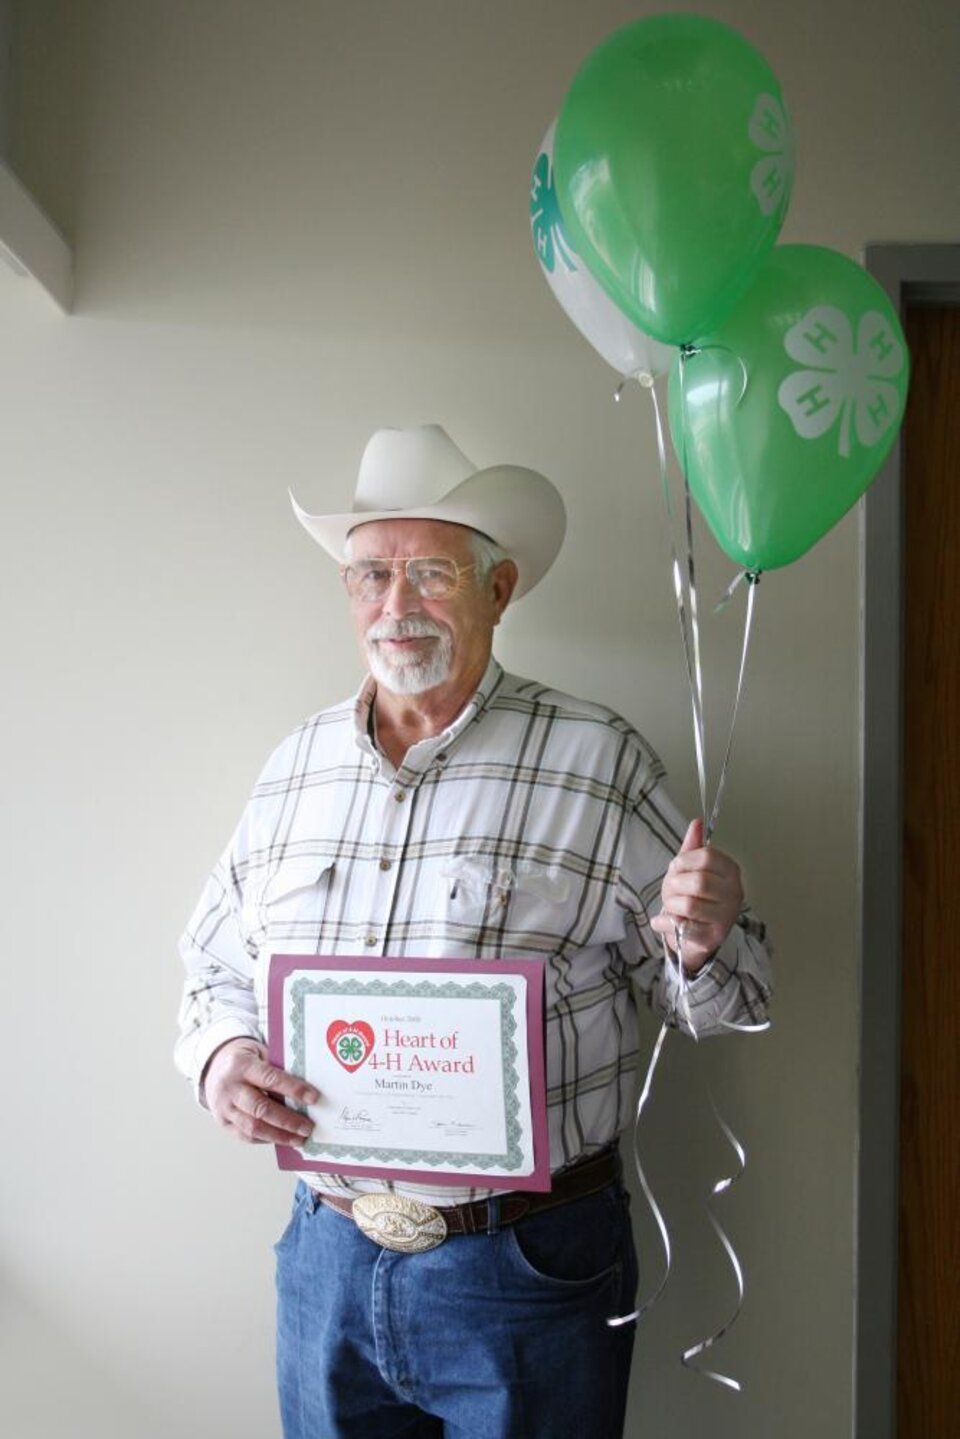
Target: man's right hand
(240,1085)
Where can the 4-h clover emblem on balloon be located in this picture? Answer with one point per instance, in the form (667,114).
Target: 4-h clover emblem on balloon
(771,178)
(845,382)
(784,413)
(611,333)
(549,238)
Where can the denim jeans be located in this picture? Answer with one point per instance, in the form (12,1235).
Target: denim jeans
(500,1335)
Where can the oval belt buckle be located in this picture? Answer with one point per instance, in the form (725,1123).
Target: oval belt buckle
(396,1222)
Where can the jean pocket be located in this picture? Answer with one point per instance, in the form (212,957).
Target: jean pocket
(302,1200)
(576,1247)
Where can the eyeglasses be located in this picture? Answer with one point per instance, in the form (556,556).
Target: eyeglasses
(433,577)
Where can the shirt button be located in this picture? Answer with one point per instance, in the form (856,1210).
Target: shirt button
(370,939)
(385,863)
(399,795)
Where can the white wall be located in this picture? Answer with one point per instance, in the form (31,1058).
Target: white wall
(295,222)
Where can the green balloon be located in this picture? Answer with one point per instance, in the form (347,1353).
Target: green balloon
(784,413)
(674,165)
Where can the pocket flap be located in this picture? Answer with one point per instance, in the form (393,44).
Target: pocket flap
(479,874)
(293,875)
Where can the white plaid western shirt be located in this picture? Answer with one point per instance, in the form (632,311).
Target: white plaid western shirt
(535,825)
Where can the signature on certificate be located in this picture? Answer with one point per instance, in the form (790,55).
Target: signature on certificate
(355,1119)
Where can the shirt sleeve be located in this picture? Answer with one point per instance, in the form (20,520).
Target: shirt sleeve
(219,1002)
(732,988)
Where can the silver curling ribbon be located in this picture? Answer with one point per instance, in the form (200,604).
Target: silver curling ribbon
(685,594)
(637,1314)
(689,1356)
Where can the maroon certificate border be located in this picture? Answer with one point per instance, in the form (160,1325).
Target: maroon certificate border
(532,970)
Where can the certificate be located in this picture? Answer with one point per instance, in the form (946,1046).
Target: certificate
(429,1070)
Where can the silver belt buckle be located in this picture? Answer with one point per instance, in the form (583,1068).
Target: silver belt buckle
(396,1222)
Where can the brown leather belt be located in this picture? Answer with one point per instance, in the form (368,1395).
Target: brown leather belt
(407,1225)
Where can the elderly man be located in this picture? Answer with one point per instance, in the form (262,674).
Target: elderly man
(452,810)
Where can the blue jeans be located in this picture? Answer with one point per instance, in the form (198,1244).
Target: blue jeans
(500,1335)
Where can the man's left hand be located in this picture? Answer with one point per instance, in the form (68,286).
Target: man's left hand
(702,891)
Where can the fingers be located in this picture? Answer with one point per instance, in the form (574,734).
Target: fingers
(264,1075)
(700,887)
(258,1119)
(695,933)
(244,1092)
(705,874)
(690,888)
(703,860)
(702,891)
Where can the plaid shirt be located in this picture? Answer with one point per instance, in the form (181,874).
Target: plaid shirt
(536,824)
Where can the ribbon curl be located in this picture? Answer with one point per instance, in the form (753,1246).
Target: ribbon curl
(685,594)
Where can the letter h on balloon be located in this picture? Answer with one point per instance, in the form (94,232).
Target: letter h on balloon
(813,399)
(881,344)
(821,338)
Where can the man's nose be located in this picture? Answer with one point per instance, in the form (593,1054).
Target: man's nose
(402,598)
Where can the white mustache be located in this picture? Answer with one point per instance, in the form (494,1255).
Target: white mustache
(413,627)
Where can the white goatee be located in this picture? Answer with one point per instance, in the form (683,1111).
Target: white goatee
(413,673)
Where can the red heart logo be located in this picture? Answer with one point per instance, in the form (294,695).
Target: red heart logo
(350,1042)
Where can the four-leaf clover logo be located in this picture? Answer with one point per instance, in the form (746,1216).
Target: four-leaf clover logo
(842,379)
(549,236)
(351,1042)
(350,1049)
(771,178)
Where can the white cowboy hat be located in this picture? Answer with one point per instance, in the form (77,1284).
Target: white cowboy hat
(420,474)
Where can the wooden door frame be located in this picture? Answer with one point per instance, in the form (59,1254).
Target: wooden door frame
(910,274)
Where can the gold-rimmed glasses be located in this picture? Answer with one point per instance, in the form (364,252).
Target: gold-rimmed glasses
(434,577)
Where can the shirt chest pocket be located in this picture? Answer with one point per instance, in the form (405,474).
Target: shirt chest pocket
(521,896)
(289,906)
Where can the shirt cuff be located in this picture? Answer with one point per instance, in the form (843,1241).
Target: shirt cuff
(698,1003)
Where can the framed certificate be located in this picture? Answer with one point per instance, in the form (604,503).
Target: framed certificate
(430,1070)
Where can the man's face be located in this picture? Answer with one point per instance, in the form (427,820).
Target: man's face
(414,644)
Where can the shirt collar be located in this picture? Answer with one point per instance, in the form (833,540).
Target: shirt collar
(420,755)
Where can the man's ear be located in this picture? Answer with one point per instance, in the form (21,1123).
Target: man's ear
(503,582)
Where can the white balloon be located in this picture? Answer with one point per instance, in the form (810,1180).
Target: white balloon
(615,337)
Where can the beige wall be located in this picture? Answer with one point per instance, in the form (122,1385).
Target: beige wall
(294,222)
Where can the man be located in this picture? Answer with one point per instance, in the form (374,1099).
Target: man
(452,810)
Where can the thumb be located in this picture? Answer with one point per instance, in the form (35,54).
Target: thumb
(693,839)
